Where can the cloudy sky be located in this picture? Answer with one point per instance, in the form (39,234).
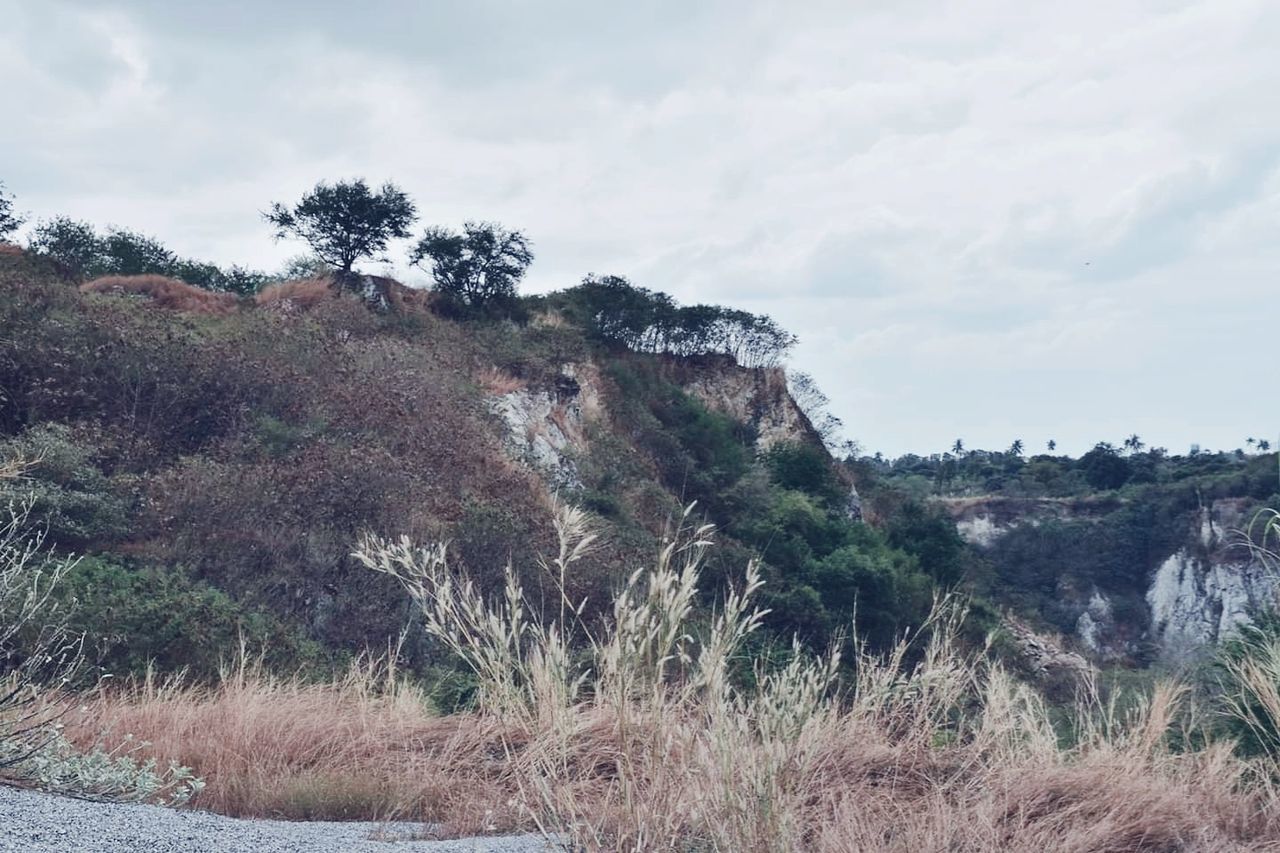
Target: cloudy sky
(986,220)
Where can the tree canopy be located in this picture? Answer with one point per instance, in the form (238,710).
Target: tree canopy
(346,221)
(9,218)
(79,248)
(617,312)
(479,266)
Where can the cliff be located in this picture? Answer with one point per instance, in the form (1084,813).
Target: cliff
(1122,586)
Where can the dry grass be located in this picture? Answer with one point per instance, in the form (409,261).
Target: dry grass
(496,381)
(299,295)
(366,746)
(645,743)
(304,294)
(167,293)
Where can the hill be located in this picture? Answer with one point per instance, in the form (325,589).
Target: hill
(216,458)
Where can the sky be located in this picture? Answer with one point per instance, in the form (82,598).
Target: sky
(985,220)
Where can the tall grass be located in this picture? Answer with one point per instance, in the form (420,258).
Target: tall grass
(646,742)
(634,733)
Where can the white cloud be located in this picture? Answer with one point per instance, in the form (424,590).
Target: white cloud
(974,214)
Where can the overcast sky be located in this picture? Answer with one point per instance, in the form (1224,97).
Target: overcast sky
(985,220)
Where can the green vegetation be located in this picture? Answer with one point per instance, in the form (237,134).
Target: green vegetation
(79,251)
(10,221)
(478,269)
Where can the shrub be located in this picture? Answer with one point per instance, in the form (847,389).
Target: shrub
(68,495)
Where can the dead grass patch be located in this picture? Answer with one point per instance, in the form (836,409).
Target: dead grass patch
(168,293)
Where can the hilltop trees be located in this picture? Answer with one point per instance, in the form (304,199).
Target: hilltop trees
(73,244)
(9,219)
(1104,467)
(477,268)
(82,252)
(346,221)
(617,312)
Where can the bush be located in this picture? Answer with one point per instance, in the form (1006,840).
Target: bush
(70,497)
(138,617)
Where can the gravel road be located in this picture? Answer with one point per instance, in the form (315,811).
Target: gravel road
(34,822)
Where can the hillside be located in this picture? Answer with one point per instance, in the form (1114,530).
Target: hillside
(217,459)
(1135,557)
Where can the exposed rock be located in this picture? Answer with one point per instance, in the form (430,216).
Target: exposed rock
(1199,595)
(755,396)
(982,521)
(546,426)
(1051,667)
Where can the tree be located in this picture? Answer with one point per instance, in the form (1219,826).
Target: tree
(9,218)
(1104,468)
(1134,444)
(126,252)
(958,447)
(480,266)
(75,245)
(1263,445)
(1016,447)
(345,222)
(1052,445)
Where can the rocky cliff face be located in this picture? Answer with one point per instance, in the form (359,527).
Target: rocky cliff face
(1195,595)
(1206,589)
(546,425)
(755,396)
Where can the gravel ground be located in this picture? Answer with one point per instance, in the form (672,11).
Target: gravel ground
(34,822)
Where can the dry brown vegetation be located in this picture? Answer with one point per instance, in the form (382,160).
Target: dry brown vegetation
(647,745)
(167,293)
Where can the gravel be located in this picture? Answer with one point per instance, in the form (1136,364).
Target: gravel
(35,822)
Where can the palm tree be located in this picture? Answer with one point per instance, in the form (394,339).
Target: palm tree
(1016,447)
(1052,445)
(958,447)
(1263,445)
(1133,443)
(1250,441)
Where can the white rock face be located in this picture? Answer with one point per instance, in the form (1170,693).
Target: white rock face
(1195,601)
(546,427)
(1199,597)
(980,530)
(1094,623)
(756,396)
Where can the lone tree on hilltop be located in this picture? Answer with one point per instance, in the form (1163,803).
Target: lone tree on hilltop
(479,267)
(346,221)
(9,219)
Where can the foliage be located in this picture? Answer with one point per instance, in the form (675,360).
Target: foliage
(116,775)
(1248,666)
(345,221)
(81,251)
(9,218)
(618,313)
(1104,468)
(479,268)
(74,245)
(39,656)
(68,496)
(139,616)
(805,468)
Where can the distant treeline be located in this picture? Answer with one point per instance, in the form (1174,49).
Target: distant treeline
(83,251)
